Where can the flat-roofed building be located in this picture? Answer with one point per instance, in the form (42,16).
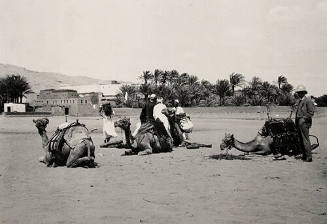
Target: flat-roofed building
(67,101)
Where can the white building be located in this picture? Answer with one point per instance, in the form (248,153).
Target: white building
(14,107)
(106,89)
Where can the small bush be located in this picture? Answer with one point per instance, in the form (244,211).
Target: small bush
(285,100)
(238,100)
(322,101)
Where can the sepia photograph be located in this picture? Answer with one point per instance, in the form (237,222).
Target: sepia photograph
(163,111)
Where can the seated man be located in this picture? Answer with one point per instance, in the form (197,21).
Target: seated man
(146,113)
(178,109)
(159,112)
(180,112)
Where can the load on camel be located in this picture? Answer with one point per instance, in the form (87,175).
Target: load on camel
(70,145)
(152,137)
(278,136)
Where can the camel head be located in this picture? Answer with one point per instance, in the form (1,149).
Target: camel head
(41,124)
(123,123)
(227,142)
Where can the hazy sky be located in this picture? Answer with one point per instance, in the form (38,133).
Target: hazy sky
(119,39)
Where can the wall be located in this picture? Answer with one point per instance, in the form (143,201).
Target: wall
(77,109)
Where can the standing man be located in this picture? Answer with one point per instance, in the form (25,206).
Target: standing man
(106,112)
(303,121)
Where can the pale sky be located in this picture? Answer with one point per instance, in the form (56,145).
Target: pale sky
(118,39)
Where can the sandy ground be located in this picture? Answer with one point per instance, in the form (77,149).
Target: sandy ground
(185,186)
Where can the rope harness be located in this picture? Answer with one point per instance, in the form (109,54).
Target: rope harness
(57,140)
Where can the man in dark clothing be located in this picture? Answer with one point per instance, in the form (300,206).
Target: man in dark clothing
(303,121)
(147,111)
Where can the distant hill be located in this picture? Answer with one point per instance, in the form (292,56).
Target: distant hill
(47,80)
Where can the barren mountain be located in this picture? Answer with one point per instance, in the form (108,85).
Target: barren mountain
(46,80)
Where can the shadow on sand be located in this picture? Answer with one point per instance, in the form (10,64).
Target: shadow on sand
(229,157)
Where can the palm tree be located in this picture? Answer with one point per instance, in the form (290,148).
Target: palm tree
(222,89)
(183,93)
(22,86)
(193,80)
(267,91)
(256,84)
(184,78)
(281,80)
(173,77)
(131,92)
(145,88)
(247,93)
(129,89)
(146,76)
(206,87)
(3,91)
(157,76)
(13,88)
(235,79)
(287,88)
(164,77)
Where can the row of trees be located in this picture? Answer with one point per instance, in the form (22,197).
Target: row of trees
(187,88)
(192,92)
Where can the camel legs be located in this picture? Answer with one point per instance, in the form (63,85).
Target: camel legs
(150,144)
(47,158)
(145,152)
(77,156)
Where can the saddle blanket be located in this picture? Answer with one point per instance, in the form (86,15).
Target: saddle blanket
(70,133)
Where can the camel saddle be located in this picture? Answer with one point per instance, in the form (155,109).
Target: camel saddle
(157,128)
(70,133)
(284,134)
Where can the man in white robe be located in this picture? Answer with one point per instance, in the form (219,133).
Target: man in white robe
(157,114)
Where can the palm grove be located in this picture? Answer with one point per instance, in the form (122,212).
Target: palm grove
(190,91)
(12,89)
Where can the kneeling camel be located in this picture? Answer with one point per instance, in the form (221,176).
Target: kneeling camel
(70,146)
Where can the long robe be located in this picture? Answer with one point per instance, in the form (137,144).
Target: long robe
(157,114)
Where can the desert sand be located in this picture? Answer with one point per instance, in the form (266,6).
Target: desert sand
(185,186)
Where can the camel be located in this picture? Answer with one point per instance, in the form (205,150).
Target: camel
(278,137)
(151,138)
(259,145)
(70,145)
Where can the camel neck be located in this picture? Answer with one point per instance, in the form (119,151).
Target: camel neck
(128,135)
(44,137)
(244,147)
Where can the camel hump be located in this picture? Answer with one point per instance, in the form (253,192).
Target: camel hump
(156,127)
(76,134)
(71,133)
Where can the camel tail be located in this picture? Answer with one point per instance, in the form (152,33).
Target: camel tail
(316,145)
